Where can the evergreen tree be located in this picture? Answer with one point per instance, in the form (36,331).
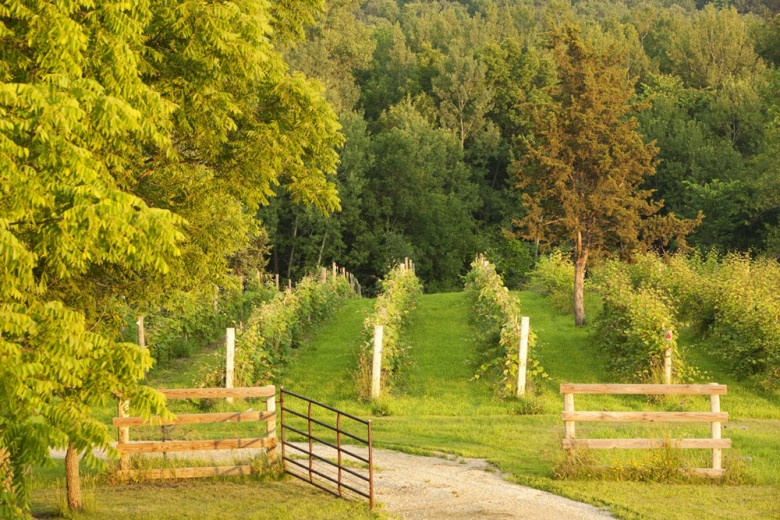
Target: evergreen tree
(582,175)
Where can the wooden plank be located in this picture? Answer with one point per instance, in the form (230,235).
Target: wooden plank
(578,388)
(171,473)
(215,393)
(196,418)
(645,443)
(712,417)
(200,445)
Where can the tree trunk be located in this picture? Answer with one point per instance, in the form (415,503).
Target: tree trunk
(579,282)
(72,478)
(6,473)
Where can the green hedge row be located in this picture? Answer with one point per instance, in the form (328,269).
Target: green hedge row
(632,325)
(496,315)
(400,291)
(275,328)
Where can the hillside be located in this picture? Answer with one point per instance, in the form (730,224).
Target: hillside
(440,409)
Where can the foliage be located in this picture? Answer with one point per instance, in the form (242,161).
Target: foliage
(496,314)
(553,277)
(582,175)
(392,310)
(631,328)
(190,320)
(730,300)
(275,329)
(138,140)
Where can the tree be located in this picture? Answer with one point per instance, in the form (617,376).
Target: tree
(582,174)
(137,141)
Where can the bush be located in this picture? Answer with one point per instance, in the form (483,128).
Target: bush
(400,291)
(734,301)
(630,329)
(191,320)
(275,328)
(553,277)
(496,315)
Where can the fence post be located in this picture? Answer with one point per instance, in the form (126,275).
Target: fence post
(568,426)
(276,279)
(523,355)
(668,358)
(270,425)
(716,452)
(141,332)
(376,372)
(230,356)
(124,434)
(323,275)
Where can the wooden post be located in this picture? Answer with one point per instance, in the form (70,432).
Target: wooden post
(230,349)
(376,372)
(289,284)
(324,275)
(668,366)
(668,358)
(568,426)
(141,332)
(270,425)
(124,434)
(716,452)
(276,278)
(523,355)
(334,269)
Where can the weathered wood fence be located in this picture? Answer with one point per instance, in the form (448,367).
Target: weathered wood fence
(715,417)
(126,448)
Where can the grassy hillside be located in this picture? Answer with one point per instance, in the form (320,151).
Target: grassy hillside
(437,407)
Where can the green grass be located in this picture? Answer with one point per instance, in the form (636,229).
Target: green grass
(195,499)
(437,407)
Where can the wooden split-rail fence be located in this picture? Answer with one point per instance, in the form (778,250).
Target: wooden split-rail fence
(126,447)
(715,417)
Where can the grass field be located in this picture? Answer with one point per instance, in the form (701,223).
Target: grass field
(438,408)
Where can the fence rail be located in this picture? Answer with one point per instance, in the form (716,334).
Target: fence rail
(125,447)
(360,484)
(715,417)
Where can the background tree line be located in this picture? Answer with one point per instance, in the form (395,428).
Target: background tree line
(436,102)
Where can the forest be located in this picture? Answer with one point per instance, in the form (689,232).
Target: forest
(435,100)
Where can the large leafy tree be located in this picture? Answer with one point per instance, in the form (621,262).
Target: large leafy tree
(137,141)
(582,175)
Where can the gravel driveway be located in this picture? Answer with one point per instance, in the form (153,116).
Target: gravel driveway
(415,487)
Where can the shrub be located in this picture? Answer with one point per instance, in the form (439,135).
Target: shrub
(630,329)
(275,328)
(191,320)
(400,291)
(553,277)
(733,300)
(496,315)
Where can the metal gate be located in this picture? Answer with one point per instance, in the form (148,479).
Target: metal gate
(312,435)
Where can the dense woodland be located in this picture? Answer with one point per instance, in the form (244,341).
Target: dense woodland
(436,103)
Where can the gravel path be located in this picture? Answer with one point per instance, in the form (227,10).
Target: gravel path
(415,487)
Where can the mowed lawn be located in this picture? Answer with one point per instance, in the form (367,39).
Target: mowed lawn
(437,407)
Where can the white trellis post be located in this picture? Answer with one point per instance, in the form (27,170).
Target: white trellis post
(376,366)
(523,355)
(230,349)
